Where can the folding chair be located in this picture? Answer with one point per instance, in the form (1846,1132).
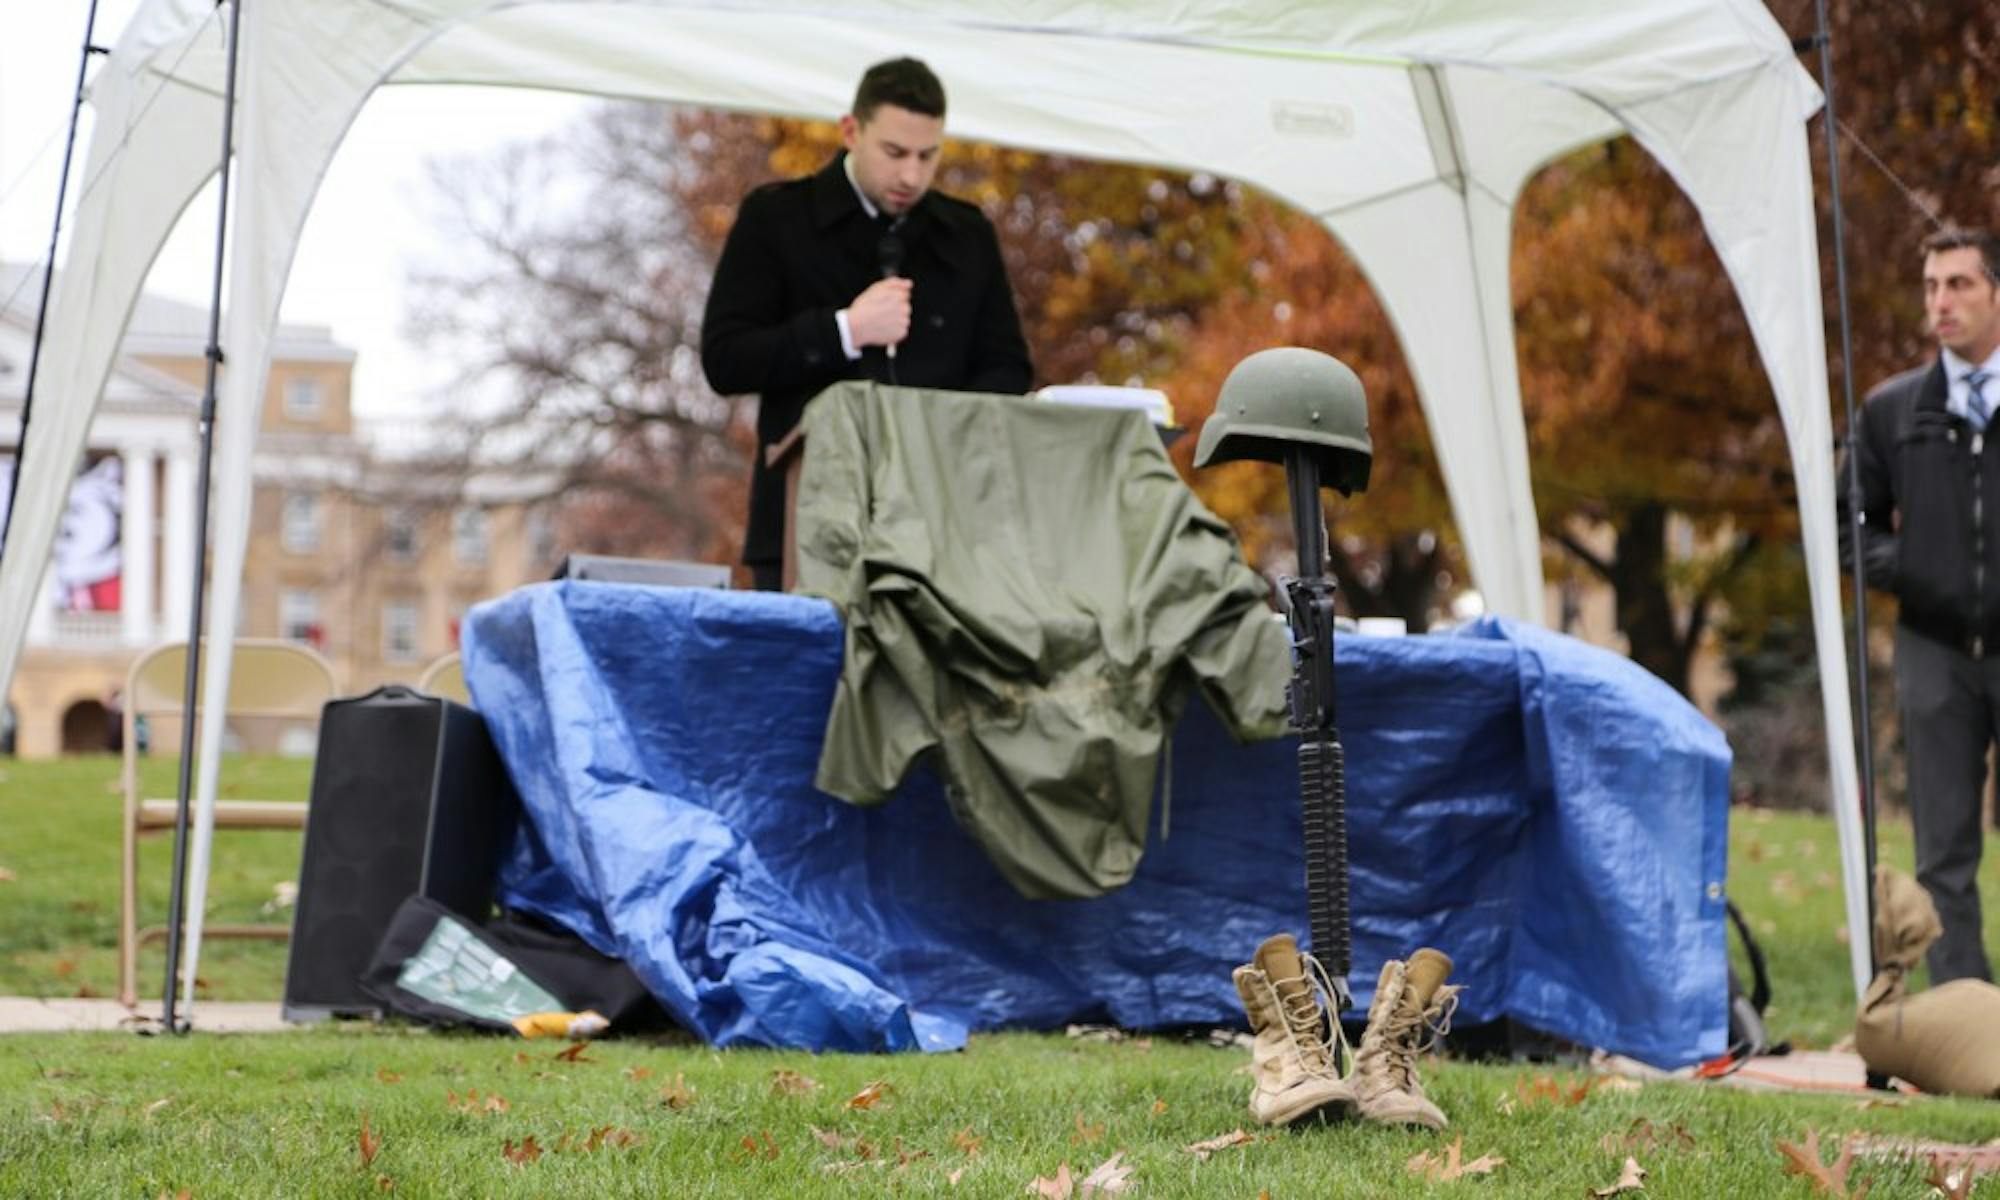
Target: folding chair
(446,678)
(268,679)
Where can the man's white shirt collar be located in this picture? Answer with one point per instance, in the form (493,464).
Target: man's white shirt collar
(867,205)
(1958,395)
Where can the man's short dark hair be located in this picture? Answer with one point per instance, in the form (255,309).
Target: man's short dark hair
(903,82)
(1956,237)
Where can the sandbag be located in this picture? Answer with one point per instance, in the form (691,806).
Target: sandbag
(1944,1040)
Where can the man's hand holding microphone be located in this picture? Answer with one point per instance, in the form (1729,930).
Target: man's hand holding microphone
(880,315)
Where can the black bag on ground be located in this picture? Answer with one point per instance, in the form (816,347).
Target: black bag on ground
(1748,1037)
(435,966)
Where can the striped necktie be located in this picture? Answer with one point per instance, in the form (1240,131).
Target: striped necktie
(1977,406)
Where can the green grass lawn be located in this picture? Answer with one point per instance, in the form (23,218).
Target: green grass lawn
(59,835)
(282,1115)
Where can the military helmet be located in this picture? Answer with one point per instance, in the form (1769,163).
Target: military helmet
(1287,398)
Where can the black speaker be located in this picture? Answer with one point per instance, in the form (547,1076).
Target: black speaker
(408,795)
(659,572)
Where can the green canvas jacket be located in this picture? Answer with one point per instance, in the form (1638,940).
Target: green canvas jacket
(1028,589)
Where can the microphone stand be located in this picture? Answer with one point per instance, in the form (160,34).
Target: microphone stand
(177,898)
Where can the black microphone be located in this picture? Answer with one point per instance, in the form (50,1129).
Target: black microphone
(889,256)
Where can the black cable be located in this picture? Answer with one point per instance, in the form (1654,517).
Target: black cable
(48,274)
(1831,124)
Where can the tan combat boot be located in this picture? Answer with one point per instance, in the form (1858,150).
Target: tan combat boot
(1297,1072)
(1408,1000)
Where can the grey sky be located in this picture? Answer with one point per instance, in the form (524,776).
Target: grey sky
(364,226)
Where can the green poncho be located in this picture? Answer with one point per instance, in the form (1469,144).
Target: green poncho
(1028,588)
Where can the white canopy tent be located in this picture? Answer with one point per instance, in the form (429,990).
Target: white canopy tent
(1407,130)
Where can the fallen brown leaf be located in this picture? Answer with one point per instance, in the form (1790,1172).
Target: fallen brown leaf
(827,1138)
(966,1143)
(1643,1135)
(637,1073)
(1952,1180)
(1058,1187)
(1542,1089)
(1227,1141)
(7,876)
(385,1075)
(1631,1179)
(787,1082)
(677,1095)
(1110,1178)
(1450,1165)
(1159,1108)
(574,1054)
(528,1151)
(596,1139)
(384,1184)
(473,1102)
(1085,1132)
(755,1146)
(1880,1102)
(1827,1178)
(370,1144)
(870,1095)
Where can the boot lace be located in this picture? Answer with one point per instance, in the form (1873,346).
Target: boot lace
(1392,1050)
(1303,1013)
(1437,1017)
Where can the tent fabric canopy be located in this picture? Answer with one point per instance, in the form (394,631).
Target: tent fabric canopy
(1407,130)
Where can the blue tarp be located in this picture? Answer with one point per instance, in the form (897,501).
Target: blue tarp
(1547,813)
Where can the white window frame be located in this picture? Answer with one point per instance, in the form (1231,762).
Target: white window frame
(304,398)
(300,607)
(401,616)
(470,537)
(401,536)
(299,523)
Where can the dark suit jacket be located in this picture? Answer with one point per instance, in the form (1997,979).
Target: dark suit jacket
(1930,492)
(804,249)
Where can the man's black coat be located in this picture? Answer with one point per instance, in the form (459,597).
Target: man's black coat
(802,250)
(1930,493)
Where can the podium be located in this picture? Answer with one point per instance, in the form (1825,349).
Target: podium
(788,454)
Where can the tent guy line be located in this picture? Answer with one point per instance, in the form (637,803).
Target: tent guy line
(111,159)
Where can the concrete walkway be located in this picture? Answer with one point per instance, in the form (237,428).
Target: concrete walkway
(29,1014)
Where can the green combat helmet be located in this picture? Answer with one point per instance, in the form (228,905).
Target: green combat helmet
(1291,398)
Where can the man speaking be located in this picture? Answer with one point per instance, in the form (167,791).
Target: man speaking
(858,272)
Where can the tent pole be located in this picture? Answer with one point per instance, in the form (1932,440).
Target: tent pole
(49,271)
(177,899)
(1830,118)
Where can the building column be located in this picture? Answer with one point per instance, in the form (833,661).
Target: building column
(42,610)
(135,549)
(178,545)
